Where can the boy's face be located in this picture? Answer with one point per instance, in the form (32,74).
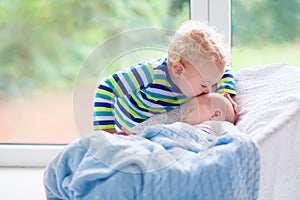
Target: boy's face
(200,77)
(198,110)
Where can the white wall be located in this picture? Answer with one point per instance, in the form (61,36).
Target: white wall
(21,183)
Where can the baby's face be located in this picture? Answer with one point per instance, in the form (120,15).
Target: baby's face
(210,106)
(198,110)
(199,79)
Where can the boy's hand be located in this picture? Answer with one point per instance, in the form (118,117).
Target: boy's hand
(114,131)
(124,132)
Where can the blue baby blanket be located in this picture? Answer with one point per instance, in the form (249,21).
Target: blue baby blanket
(176,161)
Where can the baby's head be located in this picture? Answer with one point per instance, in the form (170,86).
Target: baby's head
(212,106)
(196,57)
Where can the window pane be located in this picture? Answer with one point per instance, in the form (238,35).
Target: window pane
(265,32)
(44,43)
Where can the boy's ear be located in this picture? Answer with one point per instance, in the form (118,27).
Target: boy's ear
(177,69)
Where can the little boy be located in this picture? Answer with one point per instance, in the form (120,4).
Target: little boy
(196,61)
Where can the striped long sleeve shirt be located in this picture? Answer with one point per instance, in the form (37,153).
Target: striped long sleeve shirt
(129,97)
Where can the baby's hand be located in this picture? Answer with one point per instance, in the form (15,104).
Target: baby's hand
(123,132)
(114,131)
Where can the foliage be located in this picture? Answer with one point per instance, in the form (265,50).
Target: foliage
(45,42)
(265,21)
(244,57)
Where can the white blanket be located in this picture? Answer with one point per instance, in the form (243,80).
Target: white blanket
(268,99)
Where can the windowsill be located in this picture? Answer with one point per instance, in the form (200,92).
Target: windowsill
(16,155)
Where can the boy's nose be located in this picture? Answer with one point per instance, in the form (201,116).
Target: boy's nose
(206,90)
(209,89)
(183,118)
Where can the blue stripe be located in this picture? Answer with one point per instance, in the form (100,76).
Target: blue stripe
(162,87)
(143,109)
(99,113)
(139,101)
(129,81)
(227,76)
(163,67)
(108,82)
(160,96)
(127,124)
(103,96)
(103,87)
(148,75)
(160,76)
(101,104)
(103,122)
(128,114)
(225,87)
(136,105)
(123,110)
(119,82)
(118,124)
(164,62)
(137,76)
(229,83)
(139,120)
(159,102)
(135,110)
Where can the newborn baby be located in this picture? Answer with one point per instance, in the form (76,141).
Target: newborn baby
(206,107)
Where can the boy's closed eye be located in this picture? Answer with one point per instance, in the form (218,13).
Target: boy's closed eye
(206,88)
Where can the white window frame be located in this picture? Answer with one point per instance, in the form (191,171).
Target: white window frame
(216,12)
(26,155)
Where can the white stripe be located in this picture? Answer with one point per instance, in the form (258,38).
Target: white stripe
(129,90)
(159,71)
(150,104)
(102,118)
(163,92)
(124,117)
(143,75)
(100,100)
(133,106)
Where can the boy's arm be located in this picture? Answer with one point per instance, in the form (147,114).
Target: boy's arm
(117,86)
(227,83)
(103,107)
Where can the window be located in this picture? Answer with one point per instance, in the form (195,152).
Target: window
(43,49)
(45,45)
(265,32)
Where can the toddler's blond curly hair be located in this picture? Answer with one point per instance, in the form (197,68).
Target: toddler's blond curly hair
(194,39)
